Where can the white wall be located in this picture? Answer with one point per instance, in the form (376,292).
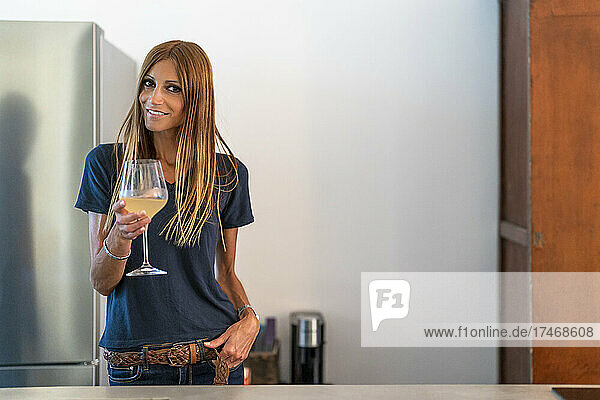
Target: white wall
(370,129)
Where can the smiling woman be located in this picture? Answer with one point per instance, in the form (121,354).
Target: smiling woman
(161,98)
(158,328)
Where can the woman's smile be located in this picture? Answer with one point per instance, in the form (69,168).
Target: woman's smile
(155,113)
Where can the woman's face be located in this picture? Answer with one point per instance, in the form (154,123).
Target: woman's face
(161,98)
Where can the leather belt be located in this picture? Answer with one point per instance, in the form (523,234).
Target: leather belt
(177,355)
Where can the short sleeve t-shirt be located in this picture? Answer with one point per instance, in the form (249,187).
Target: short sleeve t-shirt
(187,303)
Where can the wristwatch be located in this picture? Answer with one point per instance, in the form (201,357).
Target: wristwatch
(242,308)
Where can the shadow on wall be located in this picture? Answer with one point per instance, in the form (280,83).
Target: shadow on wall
(18,316)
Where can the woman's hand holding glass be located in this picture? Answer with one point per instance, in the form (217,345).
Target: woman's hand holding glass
(129,225)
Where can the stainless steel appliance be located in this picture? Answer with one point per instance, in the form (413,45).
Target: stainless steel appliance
(63,90)
(308,339)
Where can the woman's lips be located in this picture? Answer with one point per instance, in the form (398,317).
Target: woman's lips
(155,115)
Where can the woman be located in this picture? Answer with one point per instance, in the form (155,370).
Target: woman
(183,327)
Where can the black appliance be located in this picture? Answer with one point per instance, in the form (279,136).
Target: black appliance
(308,338)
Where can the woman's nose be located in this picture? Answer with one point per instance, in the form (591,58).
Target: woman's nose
(155,97)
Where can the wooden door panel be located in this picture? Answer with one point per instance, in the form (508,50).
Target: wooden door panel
(565,162)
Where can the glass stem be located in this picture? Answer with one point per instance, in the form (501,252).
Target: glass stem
(146,246)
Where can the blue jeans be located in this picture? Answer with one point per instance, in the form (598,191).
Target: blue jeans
(200,373)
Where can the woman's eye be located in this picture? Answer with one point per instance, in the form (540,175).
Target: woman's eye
(147,83)
(174,89)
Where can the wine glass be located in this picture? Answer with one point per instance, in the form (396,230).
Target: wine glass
(143,187)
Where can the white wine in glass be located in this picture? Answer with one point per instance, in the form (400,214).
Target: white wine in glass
(143,187)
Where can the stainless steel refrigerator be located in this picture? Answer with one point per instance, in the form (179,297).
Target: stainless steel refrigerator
(63,90)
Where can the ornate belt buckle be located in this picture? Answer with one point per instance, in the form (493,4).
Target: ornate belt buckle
(174,355)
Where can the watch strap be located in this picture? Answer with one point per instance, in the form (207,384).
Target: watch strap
(242,308)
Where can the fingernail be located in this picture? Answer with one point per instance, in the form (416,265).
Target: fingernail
(122,203)
(143,212)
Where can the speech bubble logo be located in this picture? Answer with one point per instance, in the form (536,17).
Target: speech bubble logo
(389,299)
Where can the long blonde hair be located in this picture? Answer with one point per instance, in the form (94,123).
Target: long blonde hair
(196,170)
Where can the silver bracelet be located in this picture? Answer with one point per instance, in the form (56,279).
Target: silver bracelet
(111,255)
(242,308)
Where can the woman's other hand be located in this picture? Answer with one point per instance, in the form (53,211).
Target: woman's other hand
(238,339)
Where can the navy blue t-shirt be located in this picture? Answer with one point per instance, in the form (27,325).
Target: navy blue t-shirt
(187,303)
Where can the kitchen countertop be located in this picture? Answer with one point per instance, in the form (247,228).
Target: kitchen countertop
(255,392)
